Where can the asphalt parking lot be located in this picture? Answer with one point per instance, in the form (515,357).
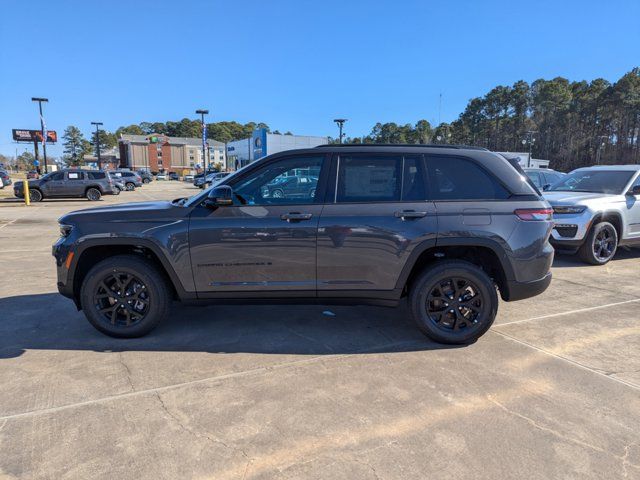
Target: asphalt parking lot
(552,391)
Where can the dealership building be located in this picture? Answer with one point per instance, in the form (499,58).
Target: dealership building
(262,143)
(160,153)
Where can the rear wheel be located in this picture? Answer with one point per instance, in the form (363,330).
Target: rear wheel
(93,194)
(145,180)
(125,296)
(601,244)
(453,302)
(35,195)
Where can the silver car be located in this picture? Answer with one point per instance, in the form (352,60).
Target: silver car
(595,210)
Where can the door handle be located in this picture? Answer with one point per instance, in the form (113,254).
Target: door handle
(409,214)
(295,216)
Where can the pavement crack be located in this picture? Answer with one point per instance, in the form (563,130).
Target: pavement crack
(561,436)
(127,371)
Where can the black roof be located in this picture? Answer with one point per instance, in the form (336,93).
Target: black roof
(401,145)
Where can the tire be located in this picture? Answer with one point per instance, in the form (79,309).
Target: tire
(116,191)
(130,187)
(277,193)
(145,180)
(145,286)
(93,194)
(35,195)
(430,298)
(600,245)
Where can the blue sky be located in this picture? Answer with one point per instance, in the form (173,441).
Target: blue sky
(295,65)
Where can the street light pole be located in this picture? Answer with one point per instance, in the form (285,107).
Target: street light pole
(42,129)
(601,144)
(97,124)
(202,113)
(530,141)
(340,122)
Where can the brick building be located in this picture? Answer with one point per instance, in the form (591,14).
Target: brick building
(159,153)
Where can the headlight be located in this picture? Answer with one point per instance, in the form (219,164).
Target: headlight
(65,230)
(569,209)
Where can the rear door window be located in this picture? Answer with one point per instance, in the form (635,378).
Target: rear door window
(96,175)
(369,178)
(75,176)
(457,178)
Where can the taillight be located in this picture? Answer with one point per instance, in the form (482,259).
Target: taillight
(534,214)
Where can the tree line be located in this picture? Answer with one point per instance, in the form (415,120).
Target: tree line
(571,123)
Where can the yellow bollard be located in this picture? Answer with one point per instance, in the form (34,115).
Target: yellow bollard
(25,191)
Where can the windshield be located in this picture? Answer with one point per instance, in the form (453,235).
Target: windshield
(595,181)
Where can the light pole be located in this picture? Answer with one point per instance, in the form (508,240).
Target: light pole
(340,122)
(202,113)
(529,139)
(42,129)
(601,144)
(97,124)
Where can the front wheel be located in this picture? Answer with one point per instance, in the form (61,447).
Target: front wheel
(125,296)
(277,193)
(130,187)
(35,195)
(93,194)
(600,245)
(453,302)
(145,180)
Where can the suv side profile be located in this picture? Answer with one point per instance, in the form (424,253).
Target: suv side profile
(68,183)
(596,209)
(130,179)
(445,228)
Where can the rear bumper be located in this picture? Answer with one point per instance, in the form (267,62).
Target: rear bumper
(521,290)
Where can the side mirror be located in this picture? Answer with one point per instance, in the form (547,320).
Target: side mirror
(219,196)
(635,190)
(546,187)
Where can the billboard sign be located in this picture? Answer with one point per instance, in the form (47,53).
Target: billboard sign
(30,136)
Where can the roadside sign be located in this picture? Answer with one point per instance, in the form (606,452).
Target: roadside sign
(30,136)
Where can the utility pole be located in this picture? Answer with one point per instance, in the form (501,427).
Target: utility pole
(529,139)
(202,113)
(97,124)
(43,130)
(340,122)
(601,144)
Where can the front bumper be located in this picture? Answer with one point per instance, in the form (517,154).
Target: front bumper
(61,252)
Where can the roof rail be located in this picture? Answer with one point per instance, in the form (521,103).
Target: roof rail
(428,145)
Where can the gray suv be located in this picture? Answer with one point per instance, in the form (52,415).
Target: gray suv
(446,228)
(91,184)
(596,209)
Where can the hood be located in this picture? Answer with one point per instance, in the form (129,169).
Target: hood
(123,211)
(575,198)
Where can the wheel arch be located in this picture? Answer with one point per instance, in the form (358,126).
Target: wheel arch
(91,252)
(611,216)
(486,253)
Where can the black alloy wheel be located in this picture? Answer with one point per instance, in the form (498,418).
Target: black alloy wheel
(453,301)
(454,304)
(122,299)
(125,296)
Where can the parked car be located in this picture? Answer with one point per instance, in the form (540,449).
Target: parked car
(69,183)
(204,182)
(596,209)
(293,186)
(32,174)
(188,178)
(448,228)
(543,178)
(161,176)
(173,176)
(5,179)
(145,175)
(130,179)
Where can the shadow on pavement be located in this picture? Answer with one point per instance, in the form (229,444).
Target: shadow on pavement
(51,322)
